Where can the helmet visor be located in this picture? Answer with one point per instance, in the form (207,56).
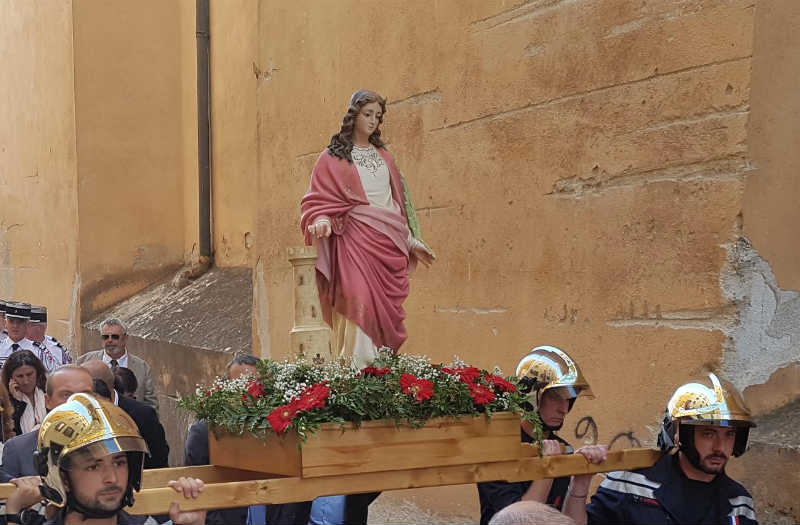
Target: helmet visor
(103,448)
(570,392)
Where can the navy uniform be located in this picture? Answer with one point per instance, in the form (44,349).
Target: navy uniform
(7,346)
(663,493)
(3,332)
(543,368)
(52,353)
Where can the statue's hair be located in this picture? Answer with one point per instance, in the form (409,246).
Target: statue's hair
(342,143)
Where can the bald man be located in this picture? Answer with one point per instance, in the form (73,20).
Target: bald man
(143,415)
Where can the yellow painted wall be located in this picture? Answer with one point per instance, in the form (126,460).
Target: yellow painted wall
(38,185)
(578,168)
(136,135)
(771,212)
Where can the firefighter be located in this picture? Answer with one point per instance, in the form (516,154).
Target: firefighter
(705,425)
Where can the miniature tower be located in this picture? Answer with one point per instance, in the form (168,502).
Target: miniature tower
(310,336)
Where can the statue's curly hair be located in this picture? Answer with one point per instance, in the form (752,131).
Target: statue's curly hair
(342,143)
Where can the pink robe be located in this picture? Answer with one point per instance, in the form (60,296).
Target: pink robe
(362,268)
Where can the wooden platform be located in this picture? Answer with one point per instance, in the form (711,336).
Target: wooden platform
(226,487)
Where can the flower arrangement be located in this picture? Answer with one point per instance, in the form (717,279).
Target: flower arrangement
(302,396)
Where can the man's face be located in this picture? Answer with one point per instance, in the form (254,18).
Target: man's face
(66,382)
(36,331)
(714,446)
(99,483)
(17,328)
(114,341)
(553,408)
(240,370)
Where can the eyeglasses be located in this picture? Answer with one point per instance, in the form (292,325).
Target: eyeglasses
(115,337)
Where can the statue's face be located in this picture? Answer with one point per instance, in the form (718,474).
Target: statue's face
(368,120)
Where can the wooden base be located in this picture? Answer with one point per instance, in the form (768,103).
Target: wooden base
(375,446)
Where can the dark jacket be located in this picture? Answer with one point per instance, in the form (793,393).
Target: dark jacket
(123,518)
(151,430)
(660,494)
(19,408)
(196,453)
(497,495)
(18,455)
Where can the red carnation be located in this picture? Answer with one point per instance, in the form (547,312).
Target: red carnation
(421,389)
(256,389)
(480,394)
(466,374)
(280,418)
(377,372)
(313,397)
(502,384)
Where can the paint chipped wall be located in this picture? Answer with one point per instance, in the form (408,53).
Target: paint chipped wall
(579,167)
(38,186)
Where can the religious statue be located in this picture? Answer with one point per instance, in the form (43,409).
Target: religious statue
(359,215)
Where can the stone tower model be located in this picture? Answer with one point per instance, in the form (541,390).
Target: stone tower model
(310,335)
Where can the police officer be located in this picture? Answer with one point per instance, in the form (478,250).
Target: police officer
(553,381)
(17,317)
(704,426)
(91,456)
(48,349)
(3,332)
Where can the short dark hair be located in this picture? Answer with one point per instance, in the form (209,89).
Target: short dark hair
(22,358)
(242,359)
(125,380)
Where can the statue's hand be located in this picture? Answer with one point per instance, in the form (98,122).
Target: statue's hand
(320,229)
(422,254)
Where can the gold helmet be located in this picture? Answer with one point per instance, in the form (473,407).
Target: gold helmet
(719,404)
(550,368)
(85,425)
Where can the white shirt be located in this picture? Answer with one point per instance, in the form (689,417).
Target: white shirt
(122,361)
(6,347)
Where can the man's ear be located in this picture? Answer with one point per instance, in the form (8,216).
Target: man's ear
(677,437)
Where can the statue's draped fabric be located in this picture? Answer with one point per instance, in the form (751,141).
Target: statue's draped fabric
(362,268)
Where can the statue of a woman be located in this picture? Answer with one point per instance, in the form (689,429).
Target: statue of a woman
(358,214)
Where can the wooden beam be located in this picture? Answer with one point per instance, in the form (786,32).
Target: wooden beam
(286,490)
(254,488)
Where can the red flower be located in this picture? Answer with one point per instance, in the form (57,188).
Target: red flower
(256,389)
(502,384)
(377,372)
(313,397)
(480,394)
(280,418)
(466,374)
(421,389)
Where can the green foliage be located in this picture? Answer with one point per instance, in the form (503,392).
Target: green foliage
(407,389)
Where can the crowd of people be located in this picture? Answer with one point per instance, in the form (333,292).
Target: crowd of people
(53,454)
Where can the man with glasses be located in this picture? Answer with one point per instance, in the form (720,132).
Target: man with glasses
(115,354)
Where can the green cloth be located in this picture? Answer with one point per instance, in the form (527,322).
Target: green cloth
(411,212)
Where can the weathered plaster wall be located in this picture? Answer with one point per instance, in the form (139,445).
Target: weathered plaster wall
(578,166)
(132,143)
(765,352)
(235,176)
(38,187)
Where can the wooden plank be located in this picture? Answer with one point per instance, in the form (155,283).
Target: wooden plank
(158,477)
(384,446)
(225,494)
(286,490)
(278,454)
